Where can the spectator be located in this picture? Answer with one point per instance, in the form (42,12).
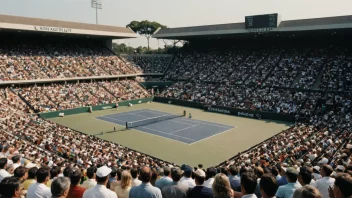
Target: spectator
(3,166)
(76,191)
(10,187)
(210,174)
(117,182)
(125,186)
(21,173)
(235,180)
(16,161)
(342,186)
(112,177)
(286,191)
(145,190)
(221,187)
(259,172)
(54,173)
(90,183)
(316,173)
(135,180)
(307,191)
(248,185)
(268,186)
(165,180)
(200,191)
(176,189)
(60,187)
(32,172)
(283,179)
(186,179)
(326,181)
(305,177)
(100,190)
(39,189)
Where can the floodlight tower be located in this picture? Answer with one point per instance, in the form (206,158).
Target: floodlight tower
(97,4)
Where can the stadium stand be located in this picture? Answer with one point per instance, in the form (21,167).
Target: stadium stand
(312,81)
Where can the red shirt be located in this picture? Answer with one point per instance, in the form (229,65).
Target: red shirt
(76,192)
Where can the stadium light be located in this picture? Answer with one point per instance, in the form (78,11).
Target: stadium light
(97,4)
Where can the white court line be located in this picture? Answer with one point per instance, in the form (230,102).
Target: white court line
(210,136)
(167,133)
(172,120)
(183,129)
(115,119)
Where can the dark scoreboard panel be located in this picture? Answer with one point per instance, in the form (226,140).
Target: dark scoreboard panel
(261,21)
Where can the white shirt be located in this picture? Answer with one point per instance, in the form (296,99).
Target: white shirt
(38,190)
(16,165)
(249,196)
(323,186)
(188,182)
(99,191)
(316,176)
(90,183)
(3,174)
(209,183)
(136,182)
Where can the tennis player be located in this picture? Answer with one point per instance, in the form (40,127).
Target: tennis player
(117,106)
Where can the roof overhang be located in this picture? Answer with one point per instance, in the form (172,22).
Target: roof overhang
(237,29)
(17,23)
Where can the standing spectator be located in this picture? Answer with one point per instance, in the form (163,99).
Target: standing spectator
(112,178)
(90,183)
(221,186)
(200,191)
(54,173)
(10,187)
(286,191)
(316,173)
(248,185)
(305,177)
(259,172)
(3,166)
(135,180)
(324,183)
(186,179)
(282,180)
(342,186)
(125,186)
(100,190)
(165,180)
(60,187)
(21,174)
(31,178)
(235,180)
(145,190)
(76,191)
(39,189)
(176,189)
(117,182)
(268,186)
(307,191)
(211,172)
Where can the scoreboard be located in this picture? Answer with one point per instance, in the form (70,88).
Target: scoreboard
(262,21)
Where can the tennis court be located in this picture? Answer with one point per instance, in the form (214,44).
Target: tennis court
(182,129)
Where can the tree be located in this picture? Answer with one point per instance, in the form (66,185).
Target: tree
(145,28)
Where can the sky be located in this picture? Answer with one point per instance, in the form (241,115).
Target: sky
(175,13)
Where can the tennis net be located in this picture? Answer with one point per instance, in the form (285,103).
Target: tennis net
(154,120)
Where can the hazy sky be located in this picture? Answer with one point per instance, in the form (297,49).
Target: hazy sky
(176,13)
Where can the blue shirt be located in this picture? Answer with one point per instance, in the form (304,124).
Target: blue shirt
(286,191)
(282,181)
(200,192)
(162,182)
(235,182)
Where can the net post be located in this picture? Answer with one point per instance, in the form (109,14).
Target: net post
(126,125)
(184,113)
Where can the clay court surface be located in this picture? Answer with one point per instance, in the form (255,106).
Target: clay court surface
(207,138)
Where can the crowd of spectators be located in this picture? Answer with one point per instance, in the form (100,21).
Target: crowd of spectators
(149,64)
(56,96)
(25,60)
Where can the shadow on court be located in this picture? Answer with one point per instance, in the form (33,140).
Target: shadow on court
(119,130)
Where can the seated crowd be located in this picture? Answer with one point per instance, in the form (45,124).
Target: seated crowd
(28,61)
(56,96)
(149,64)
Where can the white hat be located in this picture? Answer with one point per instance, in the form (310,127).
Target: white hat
(340,167)
(103,171)
(324,161)
(30,165)
(317,168)
(200,172)
(50,164)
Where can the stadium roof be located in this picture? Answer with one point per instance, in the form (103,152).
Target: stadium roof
(184,33)
(18,23)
